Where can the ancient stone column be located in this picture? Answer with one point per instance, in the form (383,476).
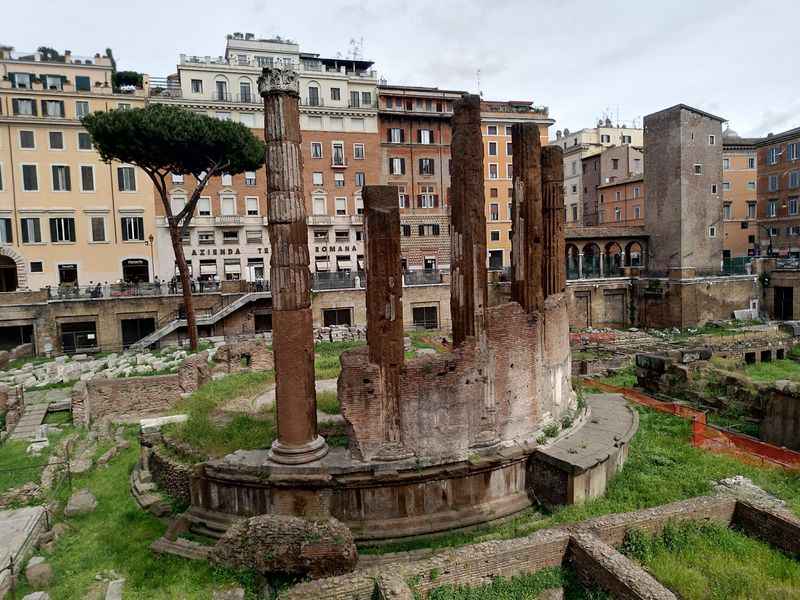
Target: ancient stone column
(385,308)
(554,272)
(292,329)
(468,291)
(527,227)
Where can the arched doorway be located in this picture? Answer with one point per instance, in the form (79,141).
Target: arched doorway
(135,270)
(591,260)
(633,254)
(572,262)
(613,260)
(8,274)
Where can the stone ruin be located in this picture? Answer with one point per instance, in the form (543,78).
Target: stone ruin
(438,442)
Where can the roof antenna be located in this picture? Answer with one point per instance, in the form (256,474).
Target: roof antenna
(478,75)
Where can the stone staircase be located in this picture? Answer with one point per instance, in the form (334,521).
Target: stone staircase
(181,547)
(36,407)
(212,319)
(145,494)
(207,523)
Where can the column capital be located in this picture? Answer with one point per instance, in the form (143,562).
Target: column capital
(276,80)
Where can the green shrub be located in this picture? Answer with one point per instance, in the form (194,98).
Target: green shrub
(551,430)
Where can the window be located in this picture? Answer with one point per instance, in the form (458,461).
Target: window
(316,150)
(53,108)
(712,140)
(605,138)
(56,140)
(427,198)
(321,235)
(62,229)
(230,236)
(27,139)
(228,204)
(637,191)
(615,163)
(197,86)
(336,93)
(426,166)
(338,154)
(358,151)
(491,130)
(342,235)
(355,100)
(510,171)
(509,150)
(396,135)
(87,178)
(247,119)
(366,98)
(726,186)
(773,183)
(319,205)
(401,194)
(494,212)
(204,206)
(206,238)
(53,82)
(338,179)
(637,165)
(397,166)
(727,211)
(494,236)
(793,205)
(617,196)
(493,192)
(30,178)
(698,169)
(337,316)
(712,231)
(31,230)
(509,130)
(316,178)
(425,317)
(23,106)
(794,179)
(405,230)
(20,81)
(492,148)
(244,92)
(126,179)
(772,208)
(751,163)
(84,141)
(751,185)
(626,139)
(227,179)
(772,156)
(61,180)
(341,206)
(359,205)
(81,108)
(618,214)
(37,266)
(97,228)
(751,210)
(726,163)
(250,178)
(713,188)
(6,235)
(253,236)
(793,151)
(360,177)
(575,213)
(132,229)
(431,229)
(251,205)
(492,170)
(637,212)
(425,136)
(83,83)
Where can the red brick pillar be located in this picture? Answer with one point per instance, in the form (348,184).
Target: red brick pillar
(385,308)
(292,329)
(554,276)
(468,291)
(527,237)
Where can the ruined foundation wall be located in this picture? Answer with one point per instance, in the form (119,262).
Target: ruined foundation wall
(521,378)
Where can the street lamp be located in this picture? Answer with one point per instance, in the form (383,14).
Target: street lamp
(149,242)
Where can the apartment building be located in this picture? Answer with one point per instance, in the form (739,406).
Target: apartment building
(341,153)
(496,120)
(607,167)
(67,219)
(683,177)
(778,177)
(739,195)
(415,129)
(583,143)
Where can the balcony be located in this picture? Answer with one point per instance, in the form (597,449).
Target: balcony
(248,98)
(229,220)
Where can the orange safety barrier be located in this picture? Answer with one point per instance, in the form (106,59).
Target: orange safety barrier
(711,437)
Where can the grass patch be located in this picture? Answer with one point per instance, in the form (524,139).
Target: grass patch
(523,587)
(118,536)
(326,358)
(707,560)
(21,362)
(770,372)
(53,386)
(328,402)
(662,467)
(212,436)
(18,467)
(59,418)
(625,377)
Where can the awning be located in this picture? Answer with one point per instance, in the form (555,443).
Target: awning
(344,264)
(322,265)
(255,261)
(231,268)
(360,264)
(208,269)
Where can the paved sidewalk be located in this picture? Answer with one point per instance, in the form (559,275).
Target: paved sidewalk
(19,530)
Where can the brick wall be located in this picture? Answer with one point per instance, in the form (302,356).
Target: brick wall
(171,476)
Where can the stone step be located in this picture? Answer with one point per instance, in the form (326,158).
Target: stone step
(210,524)
(181,547)
(144,476)
(142,488)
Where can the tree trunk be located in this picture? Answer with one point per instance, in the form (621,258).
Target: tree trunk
(186,285)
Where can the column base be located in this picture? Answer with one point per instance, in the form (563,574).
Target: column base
(298,455)
(486,439)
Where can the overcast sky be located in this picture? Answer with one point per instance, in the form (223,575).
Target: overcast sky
(739,59)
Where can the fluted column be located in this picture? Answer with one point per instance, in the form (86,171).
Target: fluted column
(292,326)
(385,308)
(527,238)
(468,286)
(554,276)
